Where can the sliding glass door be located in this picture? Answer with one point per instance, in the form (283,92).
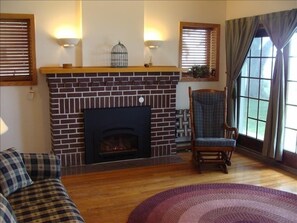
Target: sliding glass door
(290,142)
(254,91)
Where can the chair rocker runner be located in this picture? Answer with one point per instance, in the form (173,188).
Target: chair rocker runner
(212,140)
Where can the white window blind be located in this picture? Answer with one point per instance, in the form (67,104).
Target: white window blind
(199,44)
(195,44)
(17,50)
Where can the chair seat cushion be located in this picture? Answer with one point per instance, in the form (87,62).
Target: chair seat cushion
(215,142)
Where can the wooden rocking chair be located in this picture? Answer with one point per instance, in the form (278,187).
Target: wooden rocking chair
(212,140)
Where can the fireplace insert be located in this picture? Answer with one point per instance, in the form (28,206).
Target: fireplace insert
(117,133)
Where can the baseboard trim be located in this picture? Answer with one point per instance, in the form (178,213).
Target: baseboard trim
(265,160)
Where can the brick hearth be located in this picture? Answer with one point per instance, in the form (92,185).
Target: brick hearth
(71,92)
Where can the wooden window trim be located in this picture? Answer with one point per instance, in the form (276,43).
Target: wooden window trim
(31,78)
(206,26)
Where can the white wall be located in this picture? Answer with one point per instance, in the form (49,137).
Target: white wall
(239,9)
(105,23)
(28,120)
(101,24)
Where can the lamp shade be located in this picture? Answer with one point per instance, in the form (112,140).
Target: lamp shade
(68,42)
(3,127)
(153,44)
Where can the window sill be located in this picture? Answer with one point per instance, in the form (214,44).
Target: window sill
(18,83)
(199,79)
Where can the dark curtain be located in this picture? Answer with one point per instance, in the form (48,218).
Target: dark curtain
(239,37)
(280,27)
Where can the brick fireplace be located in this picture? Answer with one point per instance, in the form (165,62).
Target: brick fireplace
(73,90)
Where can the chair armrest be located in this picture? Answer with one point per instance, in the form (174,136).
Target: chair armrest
(42,165)
(231,132)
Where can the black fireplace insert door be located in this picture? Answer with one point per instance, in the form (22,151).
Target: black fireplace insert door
(117,133)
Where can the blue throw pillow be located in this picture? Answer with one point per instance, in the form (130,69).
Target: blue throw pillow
(6,212)
(13,174)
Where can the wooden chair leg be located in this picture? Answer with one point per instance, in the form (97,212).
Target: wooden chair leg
(224,168)
(194,156)
(196,159)
(226,158)
(221,158)
(199,158)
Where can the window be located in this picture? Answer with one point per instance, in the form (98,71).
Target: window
(199,46)
(290,140)
(17,49)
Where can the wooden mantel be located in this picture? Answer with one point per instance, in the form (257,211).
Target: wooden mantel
(73,70)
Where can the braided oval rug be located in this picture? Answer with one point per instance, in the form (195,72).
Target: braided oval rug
(217,203)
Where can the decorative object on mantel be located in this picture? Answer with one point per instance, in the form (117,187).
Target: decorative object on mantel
(119,56)
(67,65)
(150,64)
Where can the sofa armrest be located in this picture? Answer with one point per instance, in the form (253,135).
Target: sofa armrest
(6,212)
(42,165)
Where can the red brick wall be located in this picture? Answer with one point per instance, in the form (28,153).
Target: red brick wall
(70,94)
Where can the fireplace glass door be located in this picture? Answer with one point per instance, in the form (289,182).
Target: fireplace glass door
(118,143)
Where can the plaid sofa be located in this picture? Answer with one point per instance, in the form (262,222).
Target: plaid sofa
(46,200)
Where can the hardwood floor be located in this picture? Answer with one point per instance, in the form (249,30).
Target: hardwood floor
(110,196)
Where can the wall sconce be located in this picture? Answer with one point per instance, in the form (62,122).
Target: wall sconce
(153,44)
(3,127)
(68,42)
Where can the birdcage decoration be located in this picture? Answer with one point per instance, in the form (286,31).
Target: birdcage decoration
(119,56)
